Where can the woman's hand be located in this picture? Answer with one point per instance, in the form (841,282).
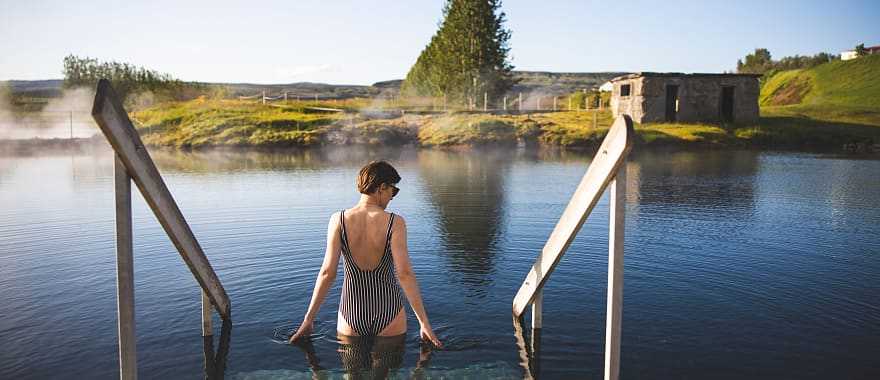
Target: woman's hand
(426,333)
(305,329)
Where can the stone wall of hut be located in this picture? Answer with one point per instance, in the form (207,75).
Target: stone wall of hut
(699,97)
(632,105)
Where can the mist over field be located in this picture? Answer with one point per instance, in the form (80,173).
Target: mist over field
(62,117)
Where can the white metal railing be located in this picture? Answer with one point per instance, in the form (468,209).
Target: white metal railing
(133,162)
(607,170)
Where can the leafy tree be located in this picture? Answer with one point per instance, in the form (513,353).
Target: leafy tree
(760,62)
(467,57)
(756,63)
(127,79)
(860,50)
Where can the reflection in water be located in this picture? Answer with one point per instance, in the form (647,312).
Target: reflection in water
(371,357)
(529,353)
(784,255)
(703,179)
(467,192)
(312,359)
(215,362)
(368,357)
(238,160)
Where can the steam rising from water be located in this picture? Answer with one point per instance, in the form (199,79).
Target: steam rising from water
(69,115)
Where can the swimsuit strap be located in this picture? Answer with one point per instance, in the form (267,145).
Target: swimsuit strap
(342,233)
(388,235)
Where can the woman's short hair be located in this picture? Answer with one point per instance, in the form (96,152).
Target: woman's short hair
(374,174)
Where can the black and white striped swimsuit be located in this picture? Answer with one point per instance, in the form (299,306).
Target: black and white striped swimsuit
(370,299)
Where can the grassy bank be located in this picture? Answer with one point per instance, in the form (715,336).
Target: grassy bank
(201,122)
(204,123)
(826,107)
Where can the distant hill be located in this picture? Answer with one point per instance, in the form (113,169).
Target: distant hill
(530,82)
(305,89)
(52,88)
(48,88)
(560,83)
(853,83)
(545,82)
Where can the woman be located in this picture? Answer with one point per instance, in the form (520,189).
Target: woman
(372,243)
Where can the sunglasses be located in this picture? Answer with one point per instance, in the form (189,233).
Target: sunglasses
(394,190)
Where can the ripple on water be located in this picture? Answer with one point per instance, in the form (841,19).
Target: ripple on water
(731,257)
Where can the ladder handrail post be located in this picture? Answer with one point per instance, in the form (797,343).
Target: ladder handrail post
(132,163)
(124,273)
(614,310)
(606,171)
(115,124)
(538,310)
(609,158)
(207,322)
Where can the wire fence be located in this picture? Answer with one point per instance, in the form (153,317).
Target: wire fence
(522,102)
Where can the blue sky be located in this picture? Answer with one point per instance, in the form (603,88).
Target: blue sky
(361,42)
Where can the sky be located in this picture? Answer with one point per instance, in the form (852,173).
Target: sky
(365,41)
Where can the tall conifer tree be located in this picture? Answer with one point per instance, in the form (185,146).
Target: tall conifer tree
(467,57)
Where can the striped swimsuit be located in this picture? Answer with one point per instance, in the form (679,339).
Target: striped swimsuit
(370,299)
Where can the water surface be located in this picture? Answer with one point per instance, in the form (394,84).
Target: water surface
(738,264)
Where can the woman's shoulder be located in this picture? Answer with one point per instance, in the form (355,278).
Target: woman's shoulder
(336,217)
(399,221)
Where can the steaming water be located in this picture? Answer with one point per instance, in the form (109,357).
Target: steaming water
(738,264)
(64,117)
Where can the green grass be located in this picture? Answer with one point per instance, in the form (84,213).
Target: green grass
(830,113)
(574,128)
(822,107)
(201,122)
(467,129)
(787,87)
(779,127)
(852,83)
(555,128)
(357,130)
(828,105)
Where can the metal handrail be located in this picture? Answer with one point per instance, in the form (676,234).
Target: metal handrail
(133,162)
(607,170)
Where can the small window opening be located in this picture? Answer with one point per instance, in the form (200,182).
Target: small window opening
(624,89)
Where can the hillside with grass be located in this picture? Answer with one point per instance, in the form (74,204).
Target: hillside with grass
(830,106)
(841,91)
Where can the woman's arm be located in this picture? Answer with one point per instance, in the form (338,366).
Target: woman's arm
(326,277)
(407,279)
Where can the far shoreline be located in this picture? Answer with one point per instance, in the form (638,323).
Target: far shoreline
(37,146)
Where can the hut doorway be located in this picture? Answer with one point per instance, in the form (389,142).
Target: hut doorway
(671,102)
(727,103)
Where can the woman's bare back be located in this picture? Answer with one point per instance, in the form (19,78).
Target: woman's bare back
(366,230)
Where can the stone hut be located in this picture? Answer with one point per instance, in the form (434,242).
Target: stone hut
(678,97)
